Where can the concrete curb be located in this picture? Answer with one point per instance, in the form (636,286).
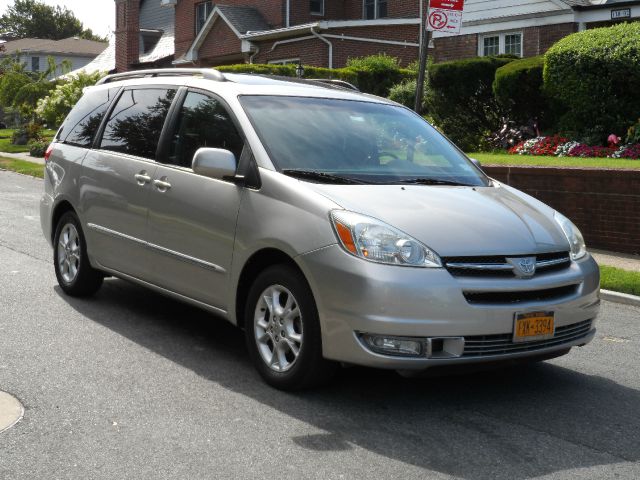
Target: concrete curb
(617,297)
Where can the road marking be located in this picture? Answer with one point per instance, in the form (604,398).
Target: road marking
(615,339)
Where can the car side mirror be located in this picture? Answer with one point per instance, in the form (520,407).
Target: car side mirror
(214,163)
(476,162)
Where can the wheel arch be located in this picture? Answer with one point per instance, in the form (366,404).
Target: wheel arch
(257,263)
(62,207)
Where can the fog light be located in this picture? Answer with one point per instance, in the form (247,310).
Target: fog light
(387,345)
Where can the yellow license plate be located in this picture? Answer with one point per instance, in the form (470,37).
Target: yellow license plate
(533,326)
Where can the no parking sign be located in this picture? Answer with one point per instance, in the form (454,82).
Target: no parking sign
(445,16)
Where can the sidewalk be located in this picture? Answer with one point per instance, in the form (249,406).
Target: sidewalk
(620,260)
(22,156)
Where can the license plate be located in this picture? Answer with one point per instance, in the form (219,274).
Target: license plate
(532,326)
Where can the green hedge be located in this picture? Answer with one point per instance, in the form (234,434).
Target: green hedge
(460,98)
(518,89)
(369,80)
(595,76)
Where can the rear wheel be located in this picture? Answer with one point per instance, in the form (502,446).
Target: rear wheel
(75,274)
(283,331)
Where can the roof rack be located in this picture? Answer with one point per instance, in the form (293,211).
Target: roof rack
(207,73)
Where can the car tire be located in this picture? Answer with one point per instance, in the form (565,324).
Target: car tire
(282,331)
(75,274)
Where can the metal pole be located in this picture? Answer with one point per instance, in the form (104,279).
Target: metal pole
(424,53)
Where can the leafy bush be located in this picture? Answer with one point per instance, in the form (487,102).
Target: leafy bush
(27,133)
(595,76)
(404,93)
(460,99)
(518,89)
(54,108)
(37,148)
(375,76)
(633,133)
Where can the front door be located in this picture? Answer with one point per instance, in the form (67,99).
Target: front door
(192,218)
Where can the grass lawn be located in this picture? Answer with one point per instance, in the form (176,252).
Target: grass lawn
(5,141)
(619,280)
(506,159)
(21,166)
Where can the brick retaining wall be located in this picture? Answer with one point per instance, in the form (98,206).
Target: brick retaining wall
(604,204)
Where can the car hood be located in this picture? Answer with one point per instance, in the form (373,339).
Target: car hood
(457,221)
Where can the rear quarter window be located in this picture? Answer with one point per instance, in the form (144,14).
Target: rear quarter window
(81,125)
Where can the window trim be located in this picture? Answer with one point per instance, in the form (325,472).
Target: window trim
(35,59)
(501,41)
(322,9)
(284,61)
(207,13)
(375,10)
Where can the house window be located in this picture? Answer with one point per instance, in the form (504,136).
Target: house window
(513,44)
(499,43)
(375,9)
(35,64)
(203,10)
(285,61)
(316,7)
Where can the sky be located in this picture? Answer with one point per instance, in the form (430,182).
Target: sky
(98,15)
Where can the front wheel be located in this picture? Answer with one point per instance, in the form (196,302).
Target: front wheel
(75,274)
(283,331)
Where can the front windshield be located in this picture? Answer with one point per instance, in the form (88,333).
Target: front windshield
(362,142)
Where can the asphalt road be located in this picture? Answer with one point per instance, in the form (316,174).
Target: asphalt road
(130,384)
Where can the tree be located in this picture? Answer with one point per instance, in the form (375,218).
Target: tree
(35,19)
(21,90)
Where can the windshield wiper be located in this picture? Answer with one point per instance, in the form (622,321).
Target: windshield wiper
(433,181)
(320,176)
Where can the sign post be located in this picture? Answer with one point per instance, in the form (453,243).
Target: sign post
(442,16)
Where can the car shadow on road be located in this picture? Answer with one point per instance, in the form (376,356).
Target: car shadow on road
(513,424)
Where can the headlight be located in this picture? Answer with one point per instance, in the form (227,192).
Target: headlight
(576,241)
(373,240)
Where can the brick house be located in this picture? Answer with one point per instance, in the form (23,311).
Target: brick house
(328,32)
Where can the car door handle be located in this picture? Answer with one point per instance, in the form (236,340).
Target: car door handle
(162,185)
(142,178)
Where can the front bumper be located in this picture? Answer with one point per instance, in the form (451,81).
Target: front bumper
(353,295)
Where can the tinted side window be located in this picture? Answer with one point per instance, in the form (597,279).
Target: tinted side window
(203,122)
(82,123)
(136,122)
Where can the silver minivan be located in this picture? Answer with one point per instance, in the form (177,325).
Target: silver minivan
(332,226)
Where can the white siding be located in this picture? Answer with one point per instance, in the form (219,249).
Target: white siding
(475,10)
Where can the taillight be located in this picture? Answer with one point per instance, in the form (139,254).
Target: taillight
(47,154)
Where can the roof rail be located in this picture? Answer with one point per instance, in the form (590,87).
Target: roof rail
(335,83)
(207,73)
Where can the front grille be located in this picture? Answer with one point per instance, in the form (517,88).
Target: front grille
(483,345)
(497,265)
(547,294)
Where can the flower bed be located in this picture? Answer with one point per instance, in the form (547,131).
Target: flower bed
(563,147)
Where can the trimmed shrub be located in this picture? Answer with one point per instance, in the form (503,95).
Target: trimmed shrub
(370,76)
(518,89)
(460,99)
(595,76)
